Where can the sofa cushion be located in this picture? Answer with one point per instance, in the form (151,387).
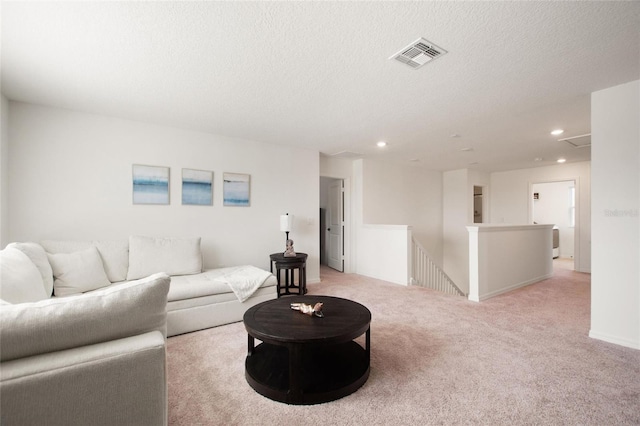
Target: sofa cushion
(38,256)
(194,286)
(20,280)
(77,272)
(118,311)
(114,254)
(174,256)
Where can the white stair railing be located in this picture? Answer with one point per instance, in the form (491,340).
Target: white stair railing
(426,273)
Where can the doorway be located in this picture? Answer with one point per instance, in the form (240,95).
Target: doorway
(555,203)
(478,204)
(332,223)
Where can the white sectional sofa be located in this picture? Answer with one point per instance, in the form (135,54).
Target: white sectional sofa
(197,298)
(84,323)
(91,359)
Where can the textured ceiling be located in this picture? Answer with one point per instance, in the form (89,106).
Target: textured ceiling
(316,74)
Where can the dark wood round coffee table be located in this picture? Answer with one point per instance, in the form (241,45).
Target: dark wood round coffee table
(304,359)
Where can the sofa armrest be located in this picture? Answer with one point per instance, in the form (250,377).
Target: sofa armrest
(119,382)
(115,312)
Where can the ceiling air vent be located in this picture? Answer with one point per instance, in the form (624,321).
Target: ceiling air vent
(581,141)
(418,53)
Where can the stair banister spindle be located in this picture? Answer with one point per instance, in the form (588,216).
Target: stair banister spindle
(426,273)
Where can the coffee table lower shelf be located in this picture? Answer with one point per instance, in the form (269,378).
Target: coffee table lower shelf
(321,373)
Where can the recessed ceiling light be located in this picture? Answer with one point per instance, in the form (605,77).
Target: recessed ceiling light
(382,144)
(414,160)
(537,159)
(466,149)
(455,135)
(561,160)
(557,132)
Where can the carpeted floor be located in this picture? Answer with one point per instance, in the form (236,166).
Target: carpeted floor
(520,358)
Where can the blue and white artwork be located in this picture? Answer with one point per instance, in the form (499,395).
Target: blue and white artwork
(197,187)
(150,184)
(235,189)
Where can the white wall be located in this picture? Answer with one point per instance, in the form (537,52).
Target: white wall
(384,252)
(512,200)
(615,281)
(70,177)
(4,172)
(340,168)
(396,194)
(553,206)
(379,251)
(381,197)
(457,213)
(505,257)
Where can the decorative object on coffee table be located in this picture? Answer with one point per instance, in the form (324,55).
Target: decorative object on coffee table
(305,360)
(315,310)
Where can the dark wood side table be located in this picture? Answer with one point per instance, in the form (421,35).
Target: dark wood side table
(305,359)
(289,265)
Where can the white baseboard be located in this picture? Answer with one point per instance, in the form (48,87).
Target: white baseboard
(512,287)
(617,340)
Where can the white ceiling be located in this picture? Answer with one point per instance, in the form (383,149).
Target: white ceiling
(317,74)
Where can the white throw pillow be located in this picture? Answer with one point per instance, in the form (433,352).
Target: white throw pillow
(20,280)
(114,254)
(173,256)
(77,272)
(38,256)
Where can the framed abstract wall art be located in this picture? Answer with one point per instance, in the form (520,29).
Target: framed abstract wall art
(150,184)
(236,189)
(197,187)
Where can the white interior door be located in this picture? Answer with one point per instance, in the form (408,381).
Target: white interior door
(335,227)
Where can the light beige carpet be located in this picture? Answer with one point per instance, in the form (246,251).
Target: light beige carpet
(521,358)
